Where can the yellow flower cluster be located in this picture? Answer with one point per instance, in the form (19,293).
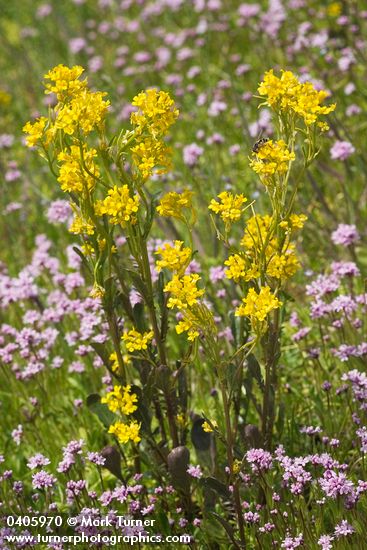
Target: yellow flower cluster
(273,157)
(258,305)
(78,108)
(126,432)
(183,290)
(334,9)
(136,341)
(85,111)
(176,258)
(283,266)
(119,205)
(81,226)
(121,400)
(239,267)
(256,231)
(35,131)
(189,325)
(5,98)
(172,204)
(65,81)
(288,94)
(296,221)
(184,295)
(155,114)
(207,427)
(150,154)
(229,207)
(78,171)
(115,364)
(261,245)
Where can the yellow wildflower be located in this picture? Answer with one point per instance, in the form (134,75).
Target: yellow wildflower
(73,174)
(334,9)
(136,341)
(81,226)
(256,231)
(207,427)
(237,466)
(97,291)
(229,208)
(156,112)
(187,325)
(184,292)
(149,154)
(283,266)
(287,93)
(87,249)
(174,257)
(85,112)
(258,305)
(273,157)
(238,268)
(120,205)
(297,220)
(181,420)
(115,364)
(121,400)
(5,98)
(126,432)
(35,131)
(65,81)
(172,204)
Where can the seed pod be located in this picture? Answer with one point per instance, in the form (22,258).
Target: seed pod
(113,460)
(178,462)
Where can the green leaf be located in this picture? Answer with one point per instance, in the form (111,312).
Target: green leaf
(226,526)
(254,370)
(220,488)
(142,413)
(160,293)
(138,312)
(83,258)
(100,409)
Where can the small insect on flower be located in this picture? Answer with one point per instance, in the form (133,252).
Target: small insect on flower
(259,143)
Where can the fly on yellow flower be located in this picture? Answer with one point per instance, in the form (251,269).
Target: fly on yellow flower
(273,157)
